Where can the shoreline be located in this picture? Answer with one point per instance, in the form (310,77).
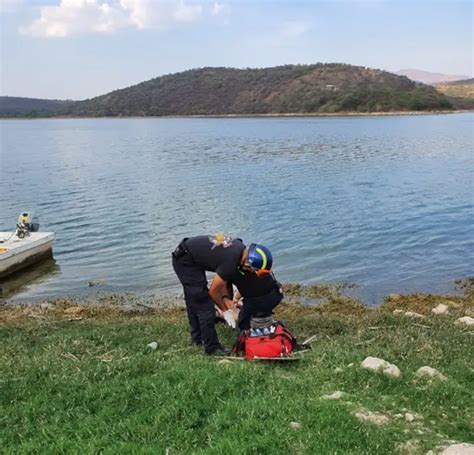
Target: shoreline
(299,301)
(275,115)
(86,372)
(311,296)
(312,293)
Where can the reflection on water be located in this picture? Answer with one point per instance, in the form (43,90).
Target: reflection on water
(27,279)
(384,202)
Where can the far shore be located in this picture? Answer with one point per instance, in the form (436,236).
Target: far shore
(275,115)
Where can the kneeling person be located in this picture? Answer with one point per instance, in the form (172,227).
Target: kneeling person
(257,286)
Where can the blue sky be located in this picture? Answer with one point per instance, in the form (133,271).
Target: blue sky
(75,49)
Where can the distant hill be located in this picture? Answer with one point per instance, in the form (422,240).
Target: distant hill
(319,88)
(429,78)
(11,106)
(460,93)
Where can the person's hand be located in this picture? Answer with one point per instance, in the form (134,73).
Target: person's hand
(229,318)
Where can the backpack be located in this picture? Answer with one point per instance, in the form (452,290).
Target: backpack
(273,342)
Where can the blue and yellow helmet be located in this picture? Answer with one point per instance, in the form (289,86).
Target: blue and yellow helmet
(260,258)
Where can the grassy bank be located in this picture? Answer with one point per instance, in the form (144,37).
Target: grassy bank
(79,378)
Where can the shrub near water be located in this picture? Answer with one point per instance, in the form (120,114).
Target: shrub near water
(87,383)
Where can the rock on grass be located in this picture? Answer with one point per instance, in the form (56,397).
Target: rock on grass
(410,314)
(466,320)
(440,309)
(294,425)
(459,449)
(334,396)
(376,364)
(430,373)
(372,417)
(153,345)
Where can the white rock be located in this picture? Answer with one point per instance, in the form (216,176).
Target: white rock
(372,417)
(428,372)
(333,396)
(459,449)
(294,425)
(338,370)
(376,364)
(409,417)
(393,371)
(397,311)
(440,309)
(412,314)
(153,345)
(466,320)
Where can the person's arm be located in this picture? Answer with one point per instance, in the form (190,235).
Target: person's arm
(219,293)
(230,290)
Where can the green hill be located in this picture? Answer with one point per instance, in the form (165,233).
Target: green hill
(460,93)
(319,88)
(12,106)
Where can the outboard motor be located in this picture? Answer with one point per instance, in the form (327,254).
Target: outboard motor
(27,223)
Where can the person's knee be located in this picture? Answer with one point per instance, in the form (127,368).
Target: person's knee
(196,295)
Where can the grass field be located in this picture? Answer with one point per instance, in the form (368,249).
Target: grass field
(81,380)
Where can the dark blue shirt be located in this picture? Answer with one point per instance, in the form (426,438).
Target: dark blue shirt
(216,253)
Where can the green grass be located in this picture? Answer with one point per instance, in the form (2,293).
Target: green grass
(92,386)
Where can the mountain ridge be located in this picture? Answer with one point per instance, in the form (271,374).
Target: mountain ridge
(287,89)
(428,77)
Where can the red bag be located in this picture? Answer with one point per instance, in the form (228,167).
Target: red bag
(278,344)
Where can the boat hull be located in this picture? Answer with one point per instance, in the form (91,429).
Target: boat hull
(17,254)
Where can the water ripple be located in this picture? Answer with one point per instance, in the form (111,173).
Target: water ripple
(384,202)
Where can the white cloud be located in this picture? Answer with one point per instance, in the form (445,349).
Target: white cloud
(76,17)
(161,14)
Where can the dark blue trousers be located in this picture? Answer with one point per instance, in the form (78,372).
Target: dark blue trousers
(199,306)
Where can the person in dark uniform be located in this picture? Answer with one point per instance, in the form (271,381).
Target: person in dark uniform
(232,262)
(258,288)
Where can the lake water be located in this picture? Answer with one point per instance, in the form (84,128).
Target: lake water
(384,202)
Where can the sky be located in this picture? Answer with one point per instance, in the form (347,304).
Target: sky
(78,49)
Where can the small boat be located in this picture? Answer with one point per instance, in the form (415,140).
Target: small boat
(24,247)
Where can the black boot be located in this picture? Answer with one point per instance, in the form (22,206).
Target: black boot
(221,351)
